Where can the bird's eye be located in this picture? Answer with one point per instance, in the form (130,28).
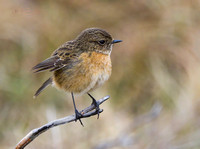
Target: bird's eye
(102,42)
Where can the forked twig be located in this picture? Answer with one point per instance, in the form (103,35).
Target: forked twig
(87,112)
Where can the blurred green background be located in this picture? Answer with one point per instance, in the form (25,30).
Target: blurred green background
(157,66)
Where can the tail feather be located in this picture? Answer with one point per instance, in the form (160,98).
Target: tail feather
(44,85)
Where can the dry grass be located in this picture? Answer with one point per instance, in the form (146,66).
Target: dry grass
(158,61)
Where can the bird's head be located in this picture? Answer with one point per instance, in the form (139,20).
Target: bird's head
(95,39)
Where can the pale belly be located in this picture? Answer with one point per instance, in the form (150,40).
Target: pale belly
(97,80)
(88,75)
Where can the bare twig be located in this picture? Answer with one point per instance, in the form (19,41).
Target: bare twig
(87,112)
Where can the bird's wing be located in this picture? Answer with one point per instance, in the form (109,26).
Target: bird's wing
(62,57)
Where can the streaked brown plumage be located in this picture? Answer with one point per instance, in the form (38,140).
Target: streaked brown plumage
(81,65)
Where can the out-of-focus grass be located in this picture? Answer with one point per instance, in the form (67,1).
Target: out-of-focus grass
(158,61)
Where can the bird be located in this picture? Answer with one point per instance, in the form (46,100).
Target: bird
(80,66)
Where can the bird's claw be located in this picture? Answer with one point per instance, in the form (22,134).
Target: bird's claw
(94,102)
(78,116)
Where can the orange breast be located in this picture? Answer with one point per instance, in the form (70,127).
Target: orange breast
(94,69)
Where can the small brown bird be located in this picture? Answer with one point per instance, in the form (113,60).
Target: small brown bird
(81,65)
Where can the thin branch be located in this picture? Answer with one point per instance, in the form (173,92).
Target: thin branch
(87,112)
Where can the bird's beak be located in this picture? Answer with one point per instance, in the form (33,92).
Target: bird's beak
(116,41)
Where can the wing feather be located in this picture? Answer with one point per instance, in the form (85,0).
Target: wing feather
(46,64)
(64,56)
(43,69)
(55,63)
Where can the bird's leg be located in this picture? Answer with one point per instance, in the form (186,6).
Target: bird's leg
(78,115)
(94,102)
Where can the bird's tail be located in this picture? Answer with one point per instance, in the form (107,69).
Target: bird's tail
(44,85)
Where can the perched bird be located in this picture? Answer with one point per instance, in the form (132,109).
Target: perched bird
(81,65)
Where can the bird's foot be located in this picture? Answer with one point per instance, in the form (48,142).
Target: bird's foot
(94,102)
(78,116)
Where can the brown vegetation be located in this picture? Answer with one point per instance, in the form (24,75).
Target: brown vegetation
(158,61)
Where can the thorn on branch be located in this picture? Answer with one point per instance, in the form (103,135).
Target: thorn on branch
(87,112)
